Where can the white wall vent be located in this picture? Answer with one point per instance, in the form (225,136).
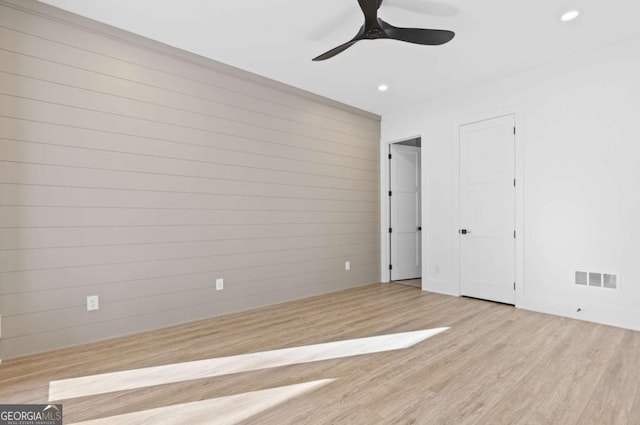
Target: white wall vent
(610,281)
(596,279)
(581,278)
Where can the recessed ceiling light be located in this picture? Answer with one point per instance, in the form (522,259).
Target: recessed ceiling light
(570,15)
(383,87)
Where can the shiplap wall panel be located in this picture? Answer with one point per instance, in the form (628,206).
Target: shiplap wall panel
(140,322)
(224,149)
(37,153)
(47,195)
(76,257)
(270,127)
(46,237)
(61,299)
(59,175)
(29,67)
(140,173)
(48,112)
(103,275)
(306,162)
(146,299)
(155,79)
(98,53)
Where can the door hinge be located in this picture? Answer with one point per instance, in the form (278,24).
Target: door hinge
(389,156)
(390,267)
(389,193)
(514,234)
(514,130)
(514,182)
(390,230)
(514,286)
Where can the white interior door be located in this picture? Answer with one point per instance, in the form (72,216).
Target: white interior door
(406,257)
(487,209)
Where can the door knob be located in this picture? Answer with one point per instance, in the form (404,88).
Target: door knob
(464,231)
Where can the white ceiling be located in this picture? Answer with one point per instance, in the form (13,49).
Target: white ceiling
(278,39)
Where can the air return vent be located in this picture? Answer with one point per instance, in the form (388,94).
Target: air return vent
(596,279)
(610,281)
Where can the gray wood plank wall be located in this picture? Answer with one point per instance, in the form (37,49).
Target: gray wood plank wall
(140,173)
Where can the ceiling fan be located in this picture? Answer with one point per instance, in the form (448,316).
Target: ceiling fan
(375,28)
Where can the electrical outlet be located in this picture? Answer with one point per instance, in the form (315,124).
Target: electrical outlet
(93,303)
(219,284)
(347,265)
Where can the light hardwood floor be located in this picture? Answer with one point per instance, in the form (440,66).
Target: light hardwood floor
(494,365)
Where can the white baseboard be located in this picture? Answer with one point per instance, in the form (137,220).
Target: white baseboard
(590,312)
(604,314)
(439,286)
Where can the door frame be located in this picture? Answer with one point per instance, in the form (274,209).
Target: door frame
(400,149)
(385,204)
(517,112)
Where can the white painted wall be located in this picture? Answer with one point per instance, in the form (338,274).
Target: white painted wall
(580,131)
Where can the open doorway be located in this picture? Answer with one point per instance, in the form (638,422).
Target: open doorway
(405,207)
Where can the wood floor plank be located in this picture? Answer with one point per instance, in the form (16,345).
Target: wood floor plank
(578,365)
(612,400)
(488,370)
(516,398)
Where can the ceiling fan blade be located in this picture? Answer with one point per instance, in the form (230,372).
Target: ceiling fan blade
(370,11)
(417,35)
(331,53)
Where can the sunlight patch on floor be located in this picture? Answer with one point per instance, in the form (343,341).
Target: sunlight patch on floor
(188,371)
(220,411)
